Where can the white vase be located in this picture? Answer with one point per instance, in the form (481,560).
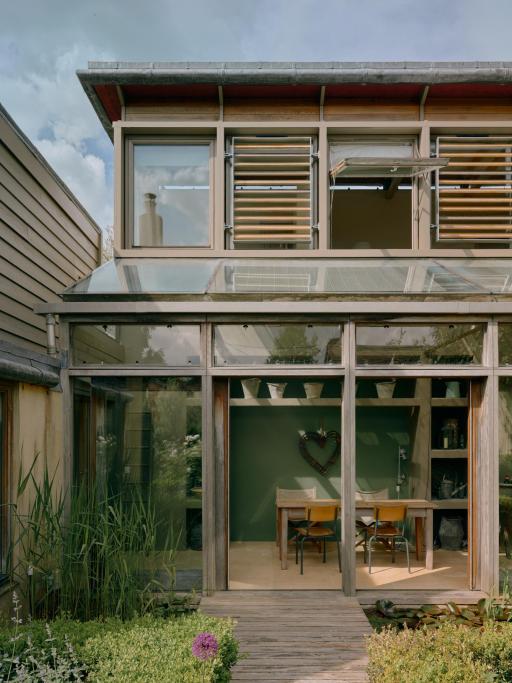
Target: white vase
(452,390)
(276,389)
(313,389)
(250,387)
(385,389)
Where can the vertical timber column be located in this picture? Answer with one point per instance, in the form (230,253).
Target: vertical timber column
(219,200)
(421,234)
(487,461)
(208,470)
(348,464)
(323,188)
(67,412)
(119,223)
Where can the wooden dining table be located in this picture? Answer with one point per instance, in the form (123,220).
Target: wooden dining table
(422,511)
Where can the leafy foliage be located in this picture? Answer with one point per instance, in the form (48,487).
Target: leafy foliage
(451,653)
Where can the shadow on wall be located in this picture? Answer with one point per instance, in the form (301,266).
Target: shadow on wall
(264,454)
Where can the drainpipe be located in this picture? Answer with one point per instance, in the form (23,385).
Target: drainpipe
(50,334)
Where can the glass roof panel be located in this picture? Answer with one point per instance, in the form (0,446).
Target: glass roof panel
(147,276)
(141,278)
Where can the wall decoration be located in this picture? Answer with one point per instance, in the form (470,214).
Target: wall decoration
(321,438)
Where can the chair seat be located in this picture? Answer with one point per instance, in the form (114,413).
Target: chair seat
(387,530)
(315,531)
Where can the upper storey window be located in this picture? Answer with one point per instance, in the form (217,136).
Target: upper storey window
(169,194)
(474,191)
(373,191)
(271,196)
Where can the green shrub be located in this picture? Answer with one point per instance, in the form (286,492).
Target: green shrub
(450,653)
(143,649)
(159,651)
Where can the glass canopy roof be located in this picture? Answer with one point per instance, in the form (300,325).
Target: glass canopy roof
(137,278)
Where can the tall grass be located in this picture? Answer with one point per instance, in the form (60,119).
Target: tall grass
(91,556)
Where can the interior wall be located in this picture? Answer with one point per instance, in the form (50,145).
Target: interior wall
(365,219)
(264,454)
(380,432)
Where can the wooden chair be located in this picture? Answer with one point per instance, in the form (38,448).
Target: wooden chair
(364,522)
(322,525)
(389,528)
(294,516)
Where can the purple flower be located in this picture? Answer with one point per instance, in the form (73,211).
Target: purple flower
(205,646)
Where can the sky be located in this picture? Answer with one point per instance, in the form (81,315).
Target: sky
(44,42)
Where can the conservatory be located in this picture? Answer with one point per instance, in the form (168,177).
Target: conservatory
(300,423)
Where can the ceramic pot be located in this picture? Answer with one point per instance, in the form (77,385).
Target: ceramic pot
(250,387)
(385,389)
(452,390)
(313,389)
(276,389)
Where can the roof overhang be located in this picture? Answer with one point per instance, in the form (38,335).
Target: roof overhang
(107,84)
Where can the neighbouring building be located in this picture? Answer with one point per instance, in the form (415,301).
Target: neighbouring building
(310,300)
(47,241)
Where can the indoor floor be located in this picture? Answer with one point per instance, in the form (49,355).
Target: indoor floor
(256,565)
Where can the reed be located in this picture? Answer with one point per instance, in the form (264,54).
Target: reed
(92,556)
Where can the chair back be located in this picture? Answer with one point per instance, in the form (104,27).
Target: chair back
(295,494)
(322,513)
(390,513)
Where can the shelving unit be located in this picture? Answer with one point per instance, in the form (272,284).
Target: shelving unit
(283,402)
(448,453)
(452,462)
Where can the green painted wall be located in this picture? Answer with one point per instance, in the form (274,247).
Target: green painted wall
(264,454)
(379,433)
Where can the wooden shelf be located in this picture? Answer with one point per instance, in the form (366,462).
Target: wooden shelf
(451,504)
(449,402)
(283,402)
(438,453)
(388,402)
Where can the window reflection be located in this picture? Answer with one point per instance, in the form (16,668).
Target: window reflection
(419,344)
(141,438)
(171,195)
(277,344)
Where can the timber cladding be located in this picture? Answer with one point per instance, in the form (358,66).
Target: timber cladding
(47,240)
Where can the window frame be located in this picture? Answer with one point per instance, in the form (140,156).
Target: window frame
(130,141)
(367,139)
(229,191)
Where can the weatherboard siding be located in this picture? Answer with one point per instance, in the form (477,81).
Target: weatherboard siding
(47,241)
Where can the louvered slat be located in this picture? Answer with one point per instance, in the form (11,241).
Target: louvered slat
(474,191)
(272,189)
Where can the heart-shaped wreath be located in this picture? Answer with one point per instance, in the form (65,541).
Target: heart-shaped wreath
(320,438)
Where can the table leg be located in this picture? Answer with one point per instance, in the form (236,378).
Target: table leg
(429,540)
(419,536)
(278,527)
(284,538)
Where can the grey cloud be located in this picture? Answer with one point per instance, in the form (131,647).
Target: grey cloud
(43,42)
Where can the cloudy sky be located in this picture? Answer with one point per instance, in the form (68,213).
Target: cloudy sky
(43,42)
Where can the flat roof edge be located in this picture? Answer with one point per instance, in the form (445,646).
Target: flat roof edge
(322,73)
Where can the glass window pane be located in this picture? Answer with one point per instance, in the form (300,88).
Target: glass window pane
(505,344)
(441,344)
(277,344)
(167,345)
(171,195)
(144,441)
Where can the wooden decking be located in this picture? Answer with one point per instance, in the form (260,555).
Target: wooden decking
(420,597)
(295,636)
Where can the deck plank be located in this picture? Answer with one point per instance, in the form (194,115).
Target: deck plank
(295,636)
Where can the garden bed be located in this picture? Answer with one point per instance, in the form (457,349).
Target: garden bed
(149,648)
(431,643)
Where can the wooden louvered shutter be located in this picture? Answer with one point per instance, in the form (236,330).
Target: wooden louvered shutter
(474,191)
(272,189)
